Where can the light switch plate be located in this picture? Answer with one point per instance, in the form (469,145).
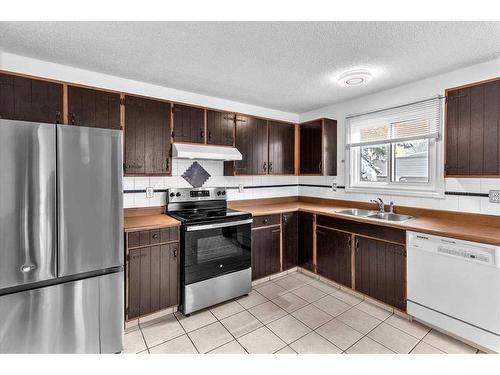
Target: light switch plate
(241,188)
(495,196)
(149,192)
(334,186)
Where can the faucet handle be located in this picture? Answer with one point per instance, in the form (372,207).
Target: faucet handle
(391,206)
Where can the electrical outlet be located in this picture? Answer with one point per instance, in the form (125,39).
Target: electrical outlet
(334,186)
(495,196)
(241,188)
(149,192)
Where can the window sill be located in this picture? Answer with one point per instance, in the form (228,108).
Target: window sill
(408,192)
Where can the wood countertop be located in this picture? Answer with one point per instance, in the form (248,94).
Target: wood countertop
(471,227)
(146,222)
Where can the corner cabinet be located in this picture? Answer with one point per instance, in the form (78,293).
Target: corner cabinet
(27,99)
(152,271)
(472,130)
(318,147)
(147,137)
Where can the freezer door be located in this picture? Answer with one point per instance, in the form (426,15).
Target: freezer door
(111,312)
(62,318)
(89,182)
(27,202)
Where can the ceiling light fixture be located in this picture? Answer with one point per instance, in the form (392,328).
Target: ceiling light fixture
(355,77)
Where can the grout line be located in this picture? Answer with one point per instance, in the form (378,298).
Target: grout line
(186,333)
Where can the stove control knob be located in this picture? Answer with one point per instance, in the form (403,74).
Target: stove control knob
(219,192)
(172,194)
(178,194)
(223,192)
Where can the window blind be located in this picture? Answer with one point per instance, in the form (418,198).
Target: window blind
(419,120)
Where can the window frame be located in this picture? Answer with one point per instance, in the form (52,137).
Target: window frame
(434,188)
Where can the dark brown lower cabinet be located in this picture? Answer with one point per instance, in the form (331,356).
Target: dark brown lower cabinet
(152,279)
(381,271)
(265,251)
(289,228)
(305,243)
(333,255)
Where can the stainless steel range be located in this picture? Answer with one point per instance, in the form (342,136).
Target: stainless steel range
(215,247)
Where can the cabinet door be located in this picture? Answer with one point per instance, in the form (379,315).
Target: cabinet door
(93,108)
(265,252)
(147,137)
(333,255)
(189,124)
(26,99)
(306,233)
(472,131)
(381,271)
(311,146)
(169,287)
(251,141)
(281,147)
(134,283)
(220,127)
(290,228)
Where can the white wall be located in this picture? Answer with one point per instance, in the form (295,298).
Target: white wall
(400,95)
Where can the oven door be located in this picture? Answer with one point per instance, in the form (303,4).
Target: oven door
(212,250)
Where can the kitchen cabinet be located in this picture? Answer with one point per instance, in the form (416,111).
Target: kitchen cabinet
(290,239)
(189,124)
(147,137)
(266,243)
(220,127)
(93,108)
(281,147)
(472,130)
(381,270)
(305,240)
(318,147)
(152,271)
(267,147)
(251,141)
(27,99)
(333,255)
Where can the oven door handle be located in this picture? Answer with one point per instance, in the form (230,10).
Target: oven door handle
(218,225)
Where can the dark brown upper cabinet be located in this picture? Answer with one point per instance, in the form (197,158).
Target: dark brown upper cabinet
(267,147)
(27,99)
(147,137)
(93,108)
(251,141)
(472,130)
(318,147)
(189,124)
(220,128)
(281,147)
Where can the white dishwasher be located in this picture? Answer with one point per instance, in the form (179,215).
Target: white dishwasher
(455,285)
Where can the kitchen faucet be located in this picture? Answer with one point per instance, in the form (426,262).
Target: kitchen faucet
(380,204)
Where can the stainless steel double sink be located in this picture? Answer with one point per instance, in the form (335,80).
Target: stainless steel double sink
(389,216)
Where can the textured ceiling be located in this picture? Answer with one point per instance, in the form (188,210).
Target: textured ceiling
(287,66)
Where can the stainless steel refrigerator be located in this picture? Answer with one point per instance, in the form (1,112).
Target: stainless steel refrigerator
(61,239)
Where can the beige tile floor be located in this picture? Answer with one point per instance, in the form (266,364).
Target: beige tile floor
(291,314)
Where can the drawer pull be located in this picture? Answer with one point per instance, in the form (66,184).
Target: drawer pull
(155,236)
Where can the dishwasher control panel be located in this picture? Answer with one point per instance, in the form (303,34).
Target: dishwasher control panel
(458,252)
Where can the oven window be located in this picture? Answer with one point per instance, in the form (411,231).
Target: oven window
(214,252)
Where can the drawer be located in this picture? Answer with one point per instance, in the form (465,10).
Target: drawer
(169,234)
(265,220)
(153,236)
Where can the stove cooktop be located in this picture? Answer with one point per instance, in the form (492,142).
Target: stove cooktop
(202,215)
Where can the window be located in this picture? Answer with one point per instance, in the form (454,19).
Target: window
(396,150)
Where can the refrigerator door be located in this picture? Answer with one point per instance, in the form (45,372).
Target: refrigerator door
(111,312)
(27,202)
(62,318)
(89,182)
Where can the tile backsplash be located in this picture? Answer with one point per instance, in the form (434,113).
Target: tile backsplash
(282,186)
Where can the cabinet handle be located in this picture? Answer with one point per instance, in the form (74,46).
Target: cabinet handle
(209,136)
(349,243)
(265,221)
(72,119)
(319,167)
(175,253)
(168,164)
(265,167)
(58,117)
(202,133)
(357,246)
(155,236)
(285,218)
(270,166)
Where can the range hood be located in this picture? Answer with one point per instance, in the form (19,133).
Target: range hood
(192,151)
